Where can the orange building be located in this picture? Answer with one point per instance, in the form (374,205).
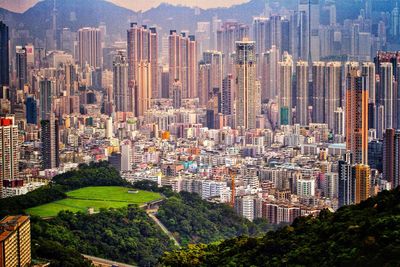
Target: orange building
(357,116)
(363,182)
(15,241)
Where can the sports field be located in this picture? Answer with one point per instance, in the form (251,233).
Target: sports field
(94,197)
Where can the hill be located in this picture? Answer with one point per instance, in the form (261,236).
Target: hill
(367,234)
(193,220)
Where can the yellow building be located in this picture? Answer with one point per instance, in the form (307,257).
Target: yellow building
(15,241)
(363,182)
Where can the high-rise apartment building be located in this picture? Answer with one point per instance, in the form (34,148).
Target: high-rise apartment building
(183,63)
(248,102)
(387,93)
(50,143)
(357,116)
(302,93)
(285,91)
(9,150)
(362,174)
(15,241)
(143,51)
(228,92)
(90,48)
(143,94)
(333,92)
(210,75)
(4,55)
(123,93)
(318,92)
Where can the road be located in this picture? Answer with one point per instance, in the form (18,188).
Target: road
(105,263)
(165,230)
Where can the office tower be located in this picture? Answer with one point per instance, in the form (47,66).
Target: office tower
(123,93)
(333,92)
(177,94)
(391,157)
(183,63)
(9,150)
(15,241)
(285,90)
(143,89)
(143,49)
(89,47)
(228,94)
(210,75)
(4,56)
(50,143)
(318,92)
(386,87)
(248,102)
(31,110)
(347,183)
(21,67)
(46,98)
(270,74)
(302,92)
(357,116)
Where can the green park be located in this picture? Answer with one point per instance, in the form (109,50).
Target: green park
(96,198)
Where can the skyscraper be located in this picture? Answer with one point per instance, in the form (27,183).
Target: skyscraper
(210,75)
(228,94)
(143,93)
(21,67)
(4,55)
(31,110)
(183,63)
(90,48)
(357,116)
(143,50)
(46,99)
(285,90)
(386,86)
(310,9)
(50,143)
(302,92)
(318,92)
(9,150)
(391,157)
(333,92)
(123,94)
(347,183)
(248,102)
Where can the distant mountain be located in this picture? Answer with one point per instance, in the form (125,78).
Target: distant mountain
(75,14)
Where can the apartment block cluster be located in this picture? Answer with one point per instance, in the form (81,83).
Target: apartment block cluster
(286,116)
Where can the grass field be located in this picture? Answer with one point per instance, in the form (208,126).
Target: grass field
(96,197)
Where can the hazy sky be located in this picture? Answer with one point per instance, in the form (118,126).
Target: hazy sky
(22,5)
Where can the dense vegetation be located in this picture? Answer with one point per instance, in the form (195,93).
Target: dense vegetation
(193,220)
(126,235)
(94,174)
(367,234)
(17,205)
